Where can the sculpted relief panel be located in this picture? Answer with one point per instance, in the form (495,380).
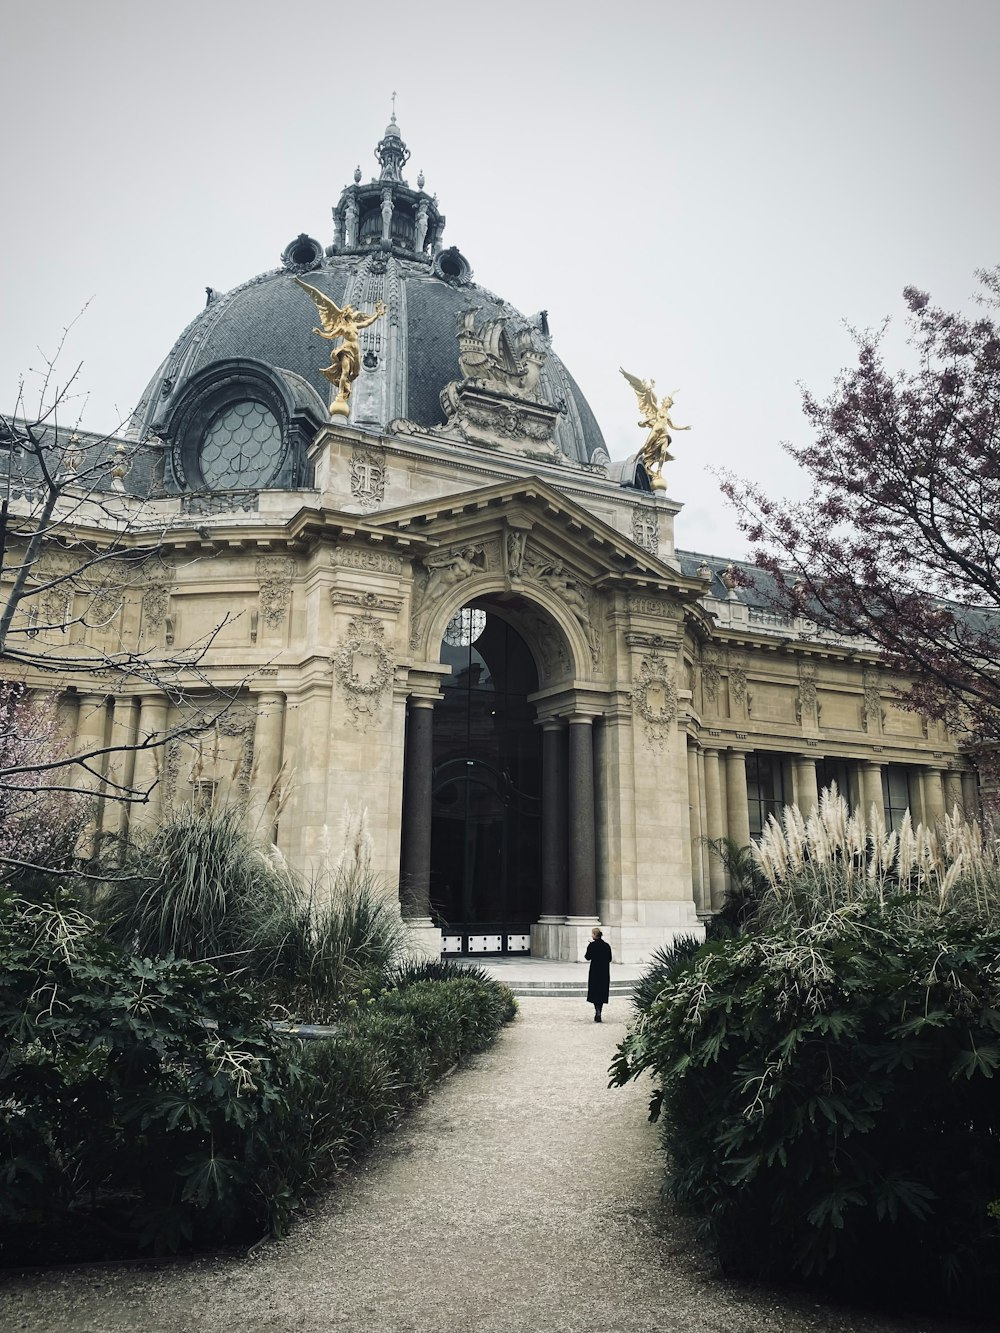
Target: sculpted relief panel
(654,698)
(363,667)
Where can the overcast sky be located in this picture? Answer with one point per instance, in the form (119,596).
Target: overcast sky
(702,192)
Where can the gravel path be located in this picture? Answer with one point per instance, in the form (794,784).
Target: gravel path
(519,1198)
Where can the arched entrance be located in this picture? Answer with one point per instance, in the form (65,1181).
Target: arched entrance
(485,873)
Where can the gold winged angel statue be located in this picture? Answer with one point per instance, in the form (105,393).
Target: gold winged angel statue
(345,360)
(656,418)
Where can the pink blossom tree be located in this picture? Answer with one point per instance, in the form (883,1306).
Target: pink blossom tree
(900,542)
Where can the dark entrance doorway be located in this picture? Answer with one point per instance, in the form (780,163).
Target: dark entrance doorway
(486,804)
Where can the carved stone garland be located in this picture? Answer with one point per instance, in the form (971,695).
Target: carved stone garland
(364,668)
(710,674)
(275,577)
(737,678)
(807,702)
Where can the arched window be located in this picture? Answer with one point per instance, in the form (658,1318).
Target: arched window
(241,448)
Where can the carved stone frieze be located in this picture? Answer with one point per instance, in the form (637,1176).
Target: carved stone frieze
(572,593)
(555,660)
(444,570)
(654,606)
(646,529)
(274,574)
(368,476)
(357,557)
(654,698)
(370,601)
(515,547)
(363,667)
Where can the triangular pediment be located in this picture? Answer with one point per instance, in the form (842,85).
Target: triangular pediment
(553,526)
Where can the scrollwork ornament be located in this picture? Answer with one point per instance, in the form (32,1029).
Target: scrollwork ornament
(364,668)
(711,676)
(805,704)
(737,678)
(275,577)
(654,699)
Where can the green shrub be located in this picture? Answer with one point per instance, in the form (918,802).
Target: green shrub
(202,888)
(199,887)
(829,1102)
(388,1055)
(142,1104)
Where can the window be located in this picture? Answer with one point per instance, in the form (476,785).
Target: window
(765,789)
(895,794)
(830,771)
(241,448)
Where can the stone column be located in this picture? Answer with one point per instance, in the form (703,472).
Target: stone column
(952,791)
(120,771)
(716,825)
(267,755)
(806,788)
(581,832)
(736,797)
(553,822)
(90,725)
(870,773)
(970,795)
(149,763)
(415,854)
(698,888)
(933,796)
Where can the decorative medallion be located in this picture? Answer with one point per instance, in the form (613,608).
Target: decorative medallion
(654,699)
(368,476)
(364,668)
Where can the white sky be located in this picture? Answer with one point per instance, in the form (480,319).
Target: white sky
(701,192)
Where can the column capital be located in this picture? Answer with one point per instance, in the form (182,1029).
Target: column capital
(424,700)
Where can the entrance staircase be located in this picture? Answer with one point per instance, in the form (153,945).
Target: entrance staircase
(544,978)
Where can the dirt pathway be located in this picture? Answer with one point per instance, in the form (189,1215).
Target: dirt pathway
(520,1198)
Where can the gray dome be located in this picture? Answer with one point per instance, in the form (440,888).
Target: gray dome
(387,247)
(269,320)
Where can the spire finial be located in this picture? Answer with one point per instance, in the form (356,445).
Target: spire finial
(393,108)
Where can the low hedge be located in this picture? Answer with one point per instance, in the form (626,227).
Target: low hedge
(149,1106)
(830,1104)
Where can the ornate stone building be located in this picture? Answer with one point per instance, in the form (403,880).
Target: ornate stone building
(453,611)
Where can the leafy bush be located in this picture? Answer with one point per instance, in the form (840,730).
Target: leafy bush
(664,965)
(388,1055)
(144,1104)
(149,1105)
(828,1100)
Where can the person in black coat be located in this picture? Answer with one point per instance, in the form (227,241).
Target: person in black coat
(599,977)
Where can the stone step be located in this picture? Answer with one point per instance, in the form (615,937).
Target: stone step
(567,990)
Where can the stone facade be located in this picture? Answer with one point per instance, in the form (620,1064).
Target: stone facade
(670,710)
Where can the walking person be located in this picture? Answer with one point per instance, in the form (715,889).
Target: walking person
(599,977)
